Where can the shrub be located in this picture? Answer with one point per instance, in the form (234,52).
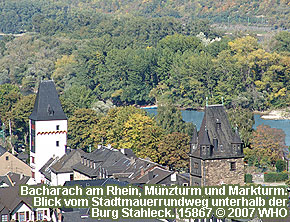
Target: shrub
(248,178)
(275,177)
(280,165)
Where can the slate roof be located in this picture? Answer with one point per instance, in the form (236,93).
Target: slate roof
(47,105)
(110,160)
(45,169)
(215,125)
(65,163)
(2,150)
(98,182)
(158,174)
(10,198)
(17,179)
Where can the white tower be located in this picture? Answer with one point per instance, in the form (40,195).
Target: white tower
(48,128)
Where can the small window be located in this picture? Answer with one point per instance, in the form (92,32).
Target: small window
(27,215)
(57,143)
(195,165)
(233,166)
(33,175)
(196,184)
(4,217)
(71,177)
(57,127)
(7,157)
(185,184)
(45,212)
(32,159)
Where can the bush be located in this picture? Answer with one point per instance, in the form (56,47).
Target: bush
(248,178)
(280,165)
(275,177)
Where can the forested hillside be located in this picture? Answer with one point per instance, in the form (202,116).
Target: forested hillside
(59,15)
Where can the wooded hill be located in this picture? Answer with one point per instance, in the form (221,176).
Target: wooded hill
(37,15)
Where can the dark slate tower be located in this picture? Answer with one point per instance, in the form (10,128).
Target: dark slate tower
(217,157)
(48,128)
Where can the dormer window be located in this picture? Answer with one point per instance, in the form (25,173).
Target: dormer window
(50,110)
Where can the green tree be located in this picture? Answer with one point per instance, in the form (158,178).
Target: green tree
(142,135)
(244,120)
(19,116)
(173,150)
(281,42)
(267,146)
(80,127)
(170,119)
(9,95)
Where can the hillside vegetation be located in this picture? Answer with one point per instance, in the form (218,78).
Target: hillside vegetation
(32,15)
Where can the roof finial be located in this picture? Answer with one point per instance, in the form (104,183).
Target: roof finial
(222,100)
(206,101)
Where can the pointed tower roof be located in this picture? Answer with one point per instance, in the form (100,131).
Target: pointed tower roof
(47,105)
(237,138)
(205,139)
(194,137)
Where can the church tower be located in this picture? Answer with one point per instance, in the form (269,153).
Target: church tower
(48,128)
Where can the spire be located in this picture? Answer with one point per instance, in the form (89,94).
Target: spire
(194,137)
(237,138)
(47,105)
(205,139)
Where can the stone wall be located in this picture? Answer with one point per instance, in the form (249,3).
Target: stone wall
(219,172)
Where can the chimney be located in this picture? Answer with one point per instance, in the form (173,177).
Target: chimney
(215,143)
(150,175)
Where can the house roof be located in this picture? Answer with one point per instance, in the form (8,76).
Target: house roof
(45,169)
(65,163)
(17,179)
(9,197)
(153,176)
(98,182)
(2,150)
(47,105)
(215,125)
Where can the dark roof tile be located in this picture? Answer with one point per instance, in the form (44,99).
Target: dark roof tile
(47,105)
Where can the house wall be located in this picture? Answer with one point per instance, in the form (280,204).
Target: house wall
(59,179)
(13,164)
(5,211)
(79,176)
(45,143)
(22,208)
(219,172)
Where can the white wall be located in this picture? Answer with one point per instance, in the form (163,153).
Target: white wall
(59,179)
(45,144)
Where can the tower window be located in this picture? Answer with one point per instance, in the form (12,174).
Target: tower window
(57,143)
(233,166)
(57,127)
(195,165)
